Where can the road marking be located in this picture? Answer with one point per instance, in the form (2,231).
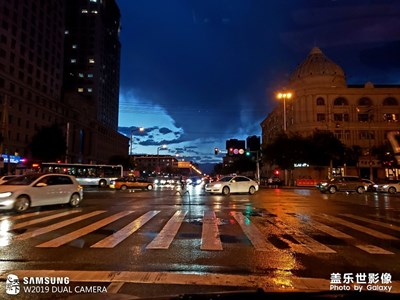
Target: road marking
(303,239)
(252,233)
(164,239)
(265,282)
(386,225)
(329,230)
(210,234)
(83,231)
(371,249)
(385,218)
(44,219)
(28,215)
(56,226)
(363,229)
(116,238)
(114,287)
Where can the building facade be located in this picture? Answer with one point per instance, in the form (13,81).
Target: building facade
(358,115)
(31,70)
(91,80)
(34,89)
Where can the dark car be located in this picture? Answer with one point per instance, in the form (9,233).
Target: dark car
(343,184)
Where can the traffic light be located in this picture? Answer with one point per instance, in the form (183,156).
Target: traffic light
(248,153)
(216,151)
(276,172)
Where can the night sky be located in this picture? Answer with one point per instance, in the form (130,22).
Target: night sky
(195,73)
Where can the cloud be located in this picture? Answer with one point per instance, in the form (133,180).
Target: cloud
(165,130)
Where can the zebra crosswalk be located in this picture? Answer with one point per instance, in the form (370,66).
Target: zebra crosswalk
(165,226)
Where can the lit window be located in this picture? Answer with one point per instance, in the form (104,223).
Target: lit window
(90,90)
(73,60)
(90,75)
(74,46)
(80,75)
(80,90)
(84,11)
(91,60)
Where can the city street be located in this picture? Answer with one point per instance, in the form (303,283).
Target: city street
(167,241)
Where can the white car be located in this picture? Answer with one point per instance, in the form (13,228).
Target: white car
(389,187)
(232,184)
(31,190)
(7,178)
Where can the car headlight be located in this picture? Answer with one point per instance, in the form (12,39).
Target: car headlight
(5,195)
(218,185)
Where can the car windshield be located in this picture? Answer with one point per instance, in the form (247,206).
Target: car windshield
(22,180)
(225,179)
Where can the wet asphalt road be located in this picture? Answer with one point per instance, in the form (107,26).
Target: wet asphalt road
(187,239)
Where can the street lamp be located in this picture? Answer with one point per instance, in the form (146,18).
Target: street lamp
(163,147)
(140,129)
(284,96)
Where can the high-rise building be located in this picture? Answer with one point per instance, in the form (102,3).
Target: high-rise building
(91,79)
(37,49)
(92,56)
(31,66)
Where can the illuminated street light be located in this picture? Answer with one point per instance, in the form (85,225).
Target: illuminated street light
(140,129)
(284,96)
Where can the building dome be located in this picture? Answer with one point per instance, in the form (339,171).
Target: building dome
(319,71)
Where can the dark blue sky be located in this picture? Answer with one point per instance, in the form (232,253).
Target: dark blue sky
(195,73)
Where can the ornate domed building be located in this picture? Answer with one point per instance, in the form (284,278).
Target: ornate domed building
(358,115)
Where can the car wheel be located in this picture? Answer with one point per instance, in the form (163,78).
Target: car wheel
(252,190)
(149,187)
(75,200)
(123,187)
(332,189)
(22,204)
(226,190)
(392,190)
(102,183)
(360,190)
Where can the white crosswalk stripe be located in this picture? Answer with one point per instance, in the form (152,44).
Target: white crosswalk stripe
(284,224)
(253,234)
(164,239)
(360,228)
(83,231)
(371,249)
(116,238)
(55,226)
(210,235)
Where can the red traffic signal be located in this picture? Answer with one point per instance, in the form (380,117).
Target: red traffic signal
(276,172)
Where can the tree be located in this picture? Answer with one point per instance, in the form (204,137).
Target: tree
(49,144)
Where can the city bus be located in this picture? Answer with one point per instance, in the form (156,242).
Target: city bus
(86,174)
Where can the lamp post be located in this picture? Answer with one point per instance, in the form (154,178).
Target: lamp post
(140,129)
(284,96)
(163,147)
